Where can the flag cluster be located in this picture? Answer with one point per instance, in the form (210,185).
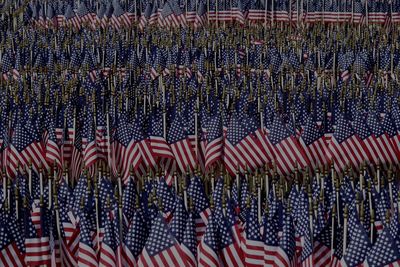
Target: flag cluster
(322,219)
(199,13)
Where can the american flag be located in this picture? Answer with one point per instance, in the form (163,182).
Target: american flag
(145,17)
(229,245)
(314,144)
(200,203)
(10,254)
(128,201)
(386,151)
(189,241)
(119,17)
(181,146)
(167,197)
(161,247)
(180,16)
(84,14)
(371,152)
(108,245)
(89,148)
(87,255)
(37,247)
(125,148)
(201,15)
(178,222)
(191,11)
(286,249)
(209,245)
(51,149)
(26,146)
(168,18)
(214,141)
(159,146)
(385,249)
(289,154)
(270,237)
(345,146)
(102,137)
(241,147)
(359,245)
(253,244)
(135,239)
(71,19)
(322,253)
(76,155)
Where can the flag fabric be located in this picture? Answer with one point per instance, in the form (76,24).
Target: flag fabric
(346,147)
(180,146)
(209,245)
(161,248)
(253,244)
(289,154)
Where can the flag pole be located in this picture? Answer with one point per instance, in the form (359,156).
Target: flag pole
(96,203)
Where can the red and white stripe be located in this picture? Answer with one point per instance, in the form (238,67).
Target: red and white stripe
(90,153)
(213,151)
(321,255)
(87,256)
(184,155)
(169,257)
(37,251)
(68,257)
(348,152)
(206,256)
(52,151)
(11,256)
(282,258)
(253,252)
(288,154)
(107,256)
(317,152)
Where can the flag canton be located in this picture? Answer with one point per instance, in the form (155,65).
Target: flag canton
(307,248)
(388,125)
(189,236)
(155,125)
(5,239)
(159,238)
(279,132)
(385,250)
(129,199)
(358,247)
(176,132)
(178,222)
(23,137)
(165,193)
(287,242)
(375,125)
(253,227)
(109,236)
(361,127)
(311,133)
(196,192)
(343,130)
(236,132)
(270,232)
(124,133)
(137,234)
(210,236)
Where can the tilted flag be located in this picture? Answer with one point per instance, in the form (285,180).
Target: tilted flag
(289,154)
(161,247)
(345,146)
(209,245)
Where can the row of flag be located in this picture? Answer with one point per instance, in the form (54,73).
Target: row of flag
(187,105)
(322,219)
(199,13)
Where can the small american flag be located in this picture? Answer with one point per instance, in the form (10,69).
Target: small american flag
(87,255)
(209,245)
(189,241)
(314,144)
(161,247)
(253,244)
(180,145)
(289,154)
(135,239)
(346,147)
(10,255)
